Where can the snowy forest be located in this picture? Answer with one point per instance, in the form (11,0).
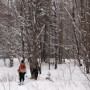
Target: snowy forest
(53,35)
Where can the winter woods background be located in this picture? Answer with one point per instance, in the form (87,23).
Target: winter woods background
(44,29)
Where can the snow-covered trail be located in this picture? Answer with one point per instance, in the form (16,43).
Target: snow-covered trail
(66,77)
(21,88)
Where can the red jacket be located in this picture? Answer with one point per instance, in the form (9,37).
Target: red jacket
(22,68)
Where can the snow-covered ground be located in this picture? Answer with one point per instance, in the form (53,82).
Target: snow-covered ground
(66,77)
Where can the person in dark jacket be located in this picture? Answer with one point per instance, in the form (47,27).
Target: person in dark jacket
(22,71)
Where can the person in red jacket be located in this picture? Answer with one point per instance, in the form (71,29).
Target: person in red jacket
(22,72)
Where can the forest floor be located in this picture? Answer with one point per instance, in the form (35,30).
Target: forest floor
(66,77)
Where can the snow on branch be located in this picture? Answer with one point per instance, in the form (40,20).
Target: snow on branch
(72,21)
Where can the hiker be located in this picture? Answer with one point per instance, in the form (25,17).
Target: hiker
(22,72)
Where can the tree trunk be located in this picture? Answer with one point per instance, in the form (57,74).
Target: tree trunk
(76,38)
(11,61)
